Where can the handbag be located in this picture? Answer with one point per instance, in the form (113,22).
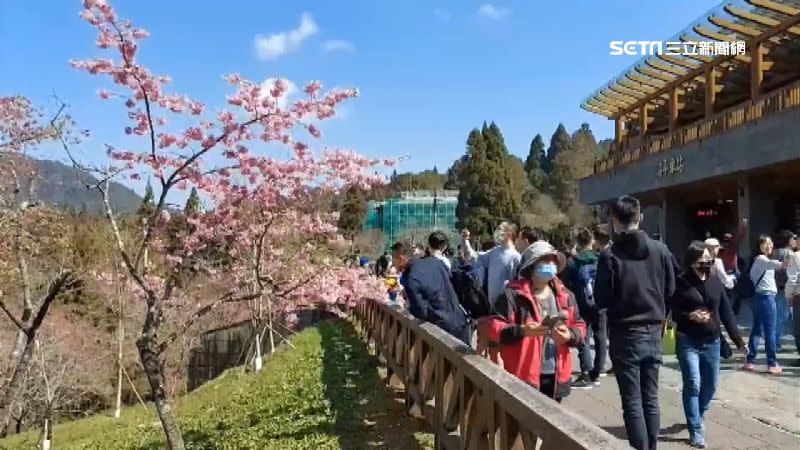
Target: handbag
(668,339)
(793,295)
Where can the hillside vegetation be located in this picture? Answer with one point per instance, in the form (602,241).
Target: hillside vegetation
(326,393)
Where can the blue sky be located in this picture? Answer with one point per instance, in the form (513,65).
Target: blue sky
(428,71)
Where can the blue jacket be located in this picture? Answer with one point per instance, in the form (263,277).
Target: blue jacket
(431,297)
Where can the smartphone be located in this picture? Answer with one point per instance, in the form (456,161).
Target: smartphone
(553,321)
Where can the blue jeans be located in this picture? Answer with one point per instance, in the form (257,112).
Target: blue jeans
(636,355)
(699,362)
(763,323)
(782,314)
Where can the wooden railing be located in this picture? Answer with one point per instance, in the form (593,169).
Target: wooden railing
(469,402)
(634,148)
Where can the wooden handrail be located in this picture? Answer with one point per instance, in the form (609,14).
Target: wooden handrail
(469,402)
(787,97)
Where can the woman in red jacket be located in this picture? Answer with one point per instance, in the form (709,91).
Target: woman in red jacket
(535,322)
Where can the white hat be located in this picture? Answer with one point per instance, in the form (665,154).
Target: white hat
(712,242)
(537,251)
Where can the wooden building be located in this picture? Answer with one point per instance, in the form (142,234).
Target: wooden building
(704,140)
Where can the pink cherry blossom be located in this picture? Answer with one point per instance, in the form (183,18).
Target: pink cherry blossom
(253,194)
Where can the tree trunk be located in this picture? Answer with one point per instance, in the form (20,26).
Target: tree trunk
(258,363)
(46,435)
(10,397)
(154,369)
(271,327)
(47,432)
(27,304)
(15,385)
(120,341)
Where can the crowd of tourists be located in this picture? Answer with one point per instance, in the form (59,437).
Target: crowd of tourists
(525,305)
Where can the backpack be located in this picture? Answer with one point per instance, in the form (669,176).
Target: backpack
(471,294)
(745,286)
(585,285)
(781,276)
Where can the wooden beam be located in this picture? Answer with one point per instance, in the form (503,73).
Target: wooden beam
(655,74)
(711,90)
(678,61)
(603,97)
(656,64)
(777,7)
(700,71)
(756,70)
(757,18)
(726,38)
(628,83)
(604,106)
(610,93)
(644,80)
(618,131)
(621,88)
(596,110)
(738,28)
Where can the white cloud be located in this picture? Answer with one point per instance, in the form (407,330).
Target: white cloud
(291,90)
(275,45)
(443,15)
(493,12)
(337,45)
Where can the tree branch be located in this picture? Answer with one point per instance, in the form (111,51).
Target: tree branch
(44,305)
(10,314)
(227,298)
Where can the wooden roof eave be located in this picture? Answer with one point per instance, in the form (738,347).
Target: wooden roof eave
(776,7)
(757,18)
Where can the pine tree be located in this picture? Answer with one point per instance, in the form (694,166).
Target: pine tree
(354,210)
(192,203)
(147,208)
(570,167)
(533,164)
(560,142)
(489,183)
(435,170)
(454,173)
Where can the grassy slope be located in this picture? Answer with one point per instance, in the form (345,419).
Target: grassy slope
(324,394)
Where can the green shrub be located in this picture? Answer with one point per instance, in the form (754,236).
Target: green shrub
(325,393)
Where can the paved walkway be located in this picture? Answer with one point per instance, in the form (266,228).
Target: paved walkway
(750,410)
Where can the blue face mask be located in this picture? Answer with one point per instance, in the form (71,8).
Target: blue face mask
(546,271)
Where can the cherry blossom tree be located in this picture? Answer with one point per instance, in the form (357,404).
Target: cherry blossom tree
(28,235)
(217,245)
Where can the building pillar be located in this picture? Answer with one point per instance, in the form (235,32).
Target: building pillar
(673,108)
(711,91)
(643,120)
(756,70)
(743,207)
(675,229)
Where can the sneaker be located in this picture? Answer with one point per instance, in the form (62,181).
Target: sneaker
(697,440)
(582,382)
(749,366)
(775,370)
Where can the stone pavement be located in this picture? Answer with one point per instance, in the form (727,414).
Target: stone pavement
(749,411)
